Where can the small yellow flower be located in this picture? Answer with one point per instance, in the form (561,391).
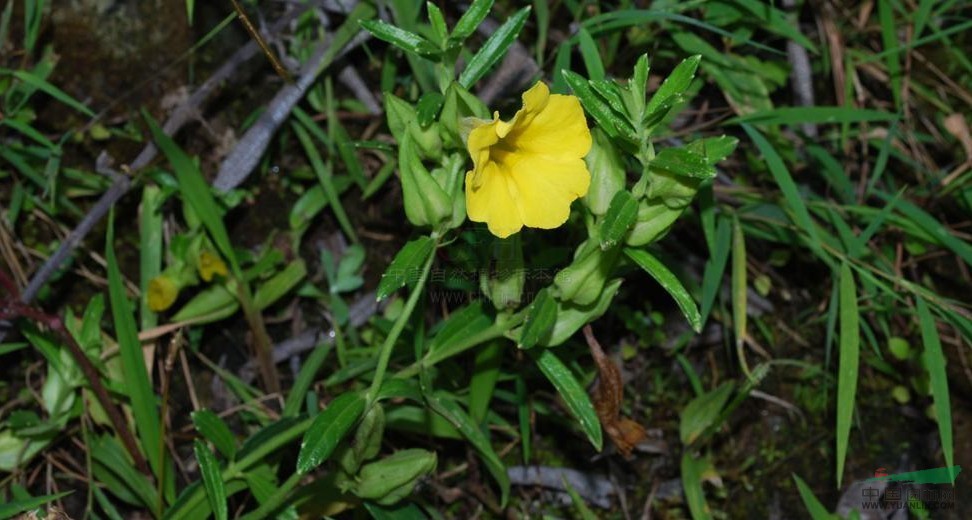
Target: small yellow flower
(162,293)
(527,172)
(209,265)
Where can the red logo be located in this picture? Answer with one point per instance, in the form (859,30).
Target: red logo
(880,472)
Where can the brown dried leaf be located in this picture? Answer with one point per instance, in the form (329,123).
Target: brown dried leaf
(608,395)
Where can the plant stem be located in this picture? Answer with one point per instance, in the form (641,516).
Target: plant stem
(261,340)
(275,500)
(388,346)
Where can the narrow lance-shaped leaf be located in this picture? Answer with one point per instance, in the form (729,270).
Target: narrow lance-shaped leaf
(935,364)
(621,214)
(327,430)
(404,40)
(137,385)
(574,395)
(405,266)
(470,20)
(494,49)
(670,283)
(212,479)
(849,359)
(455,415)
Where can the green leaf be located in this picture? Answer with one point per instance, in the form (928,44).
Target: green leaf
(774,20)
(470,20)
(406,266)
(113,468)
(670,283)
(437,21)
(404,40)
(465,328)
(457,417)
(210,426)
(402,511)
(713,149)
(280,284)
(814,114)
(540,319)
(849,359)
(212,479)
(739,284)
(611,93)
(609,120)
(305,378)
(583,512)
(938,378)
(56,93)
(428,108)
(571,317)
(486,372)
(325,176)
(715,268)
(573,393)
(693,468)
(494,49)
(621,214)
(675,84)
(137,384)
(327,430)
(15,507)
(702,412)
(684,162)
(814,507)
(591,55)
(195,191)
(790,192)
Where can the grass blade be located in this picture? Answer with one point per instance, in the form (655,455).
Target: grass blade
(137,384)
(326,178)
(790,192)
(850,338)
(56,93)
(935,364)
(814,507)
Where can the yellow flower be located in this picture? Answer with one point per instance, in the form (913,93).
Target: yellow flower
(528,171)
(209,265)
(162,293)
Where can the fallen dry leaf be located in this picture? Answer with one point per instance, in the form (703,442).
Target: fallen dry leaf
(608,394)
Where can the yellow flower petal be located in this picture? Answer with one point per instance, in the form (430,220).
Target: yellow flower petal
(162,293)
(528,171)
(547,188)
(493,202)
(210,265)
(559,128)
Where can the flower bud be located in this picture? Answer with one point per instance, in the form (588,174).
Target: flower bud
(394,477)
(674,191)
(210,264)
(162,293)
(504,286)
(653,221)
(449,177)
(426,204)
(367,440)
(403,119)
(459,104)
(581,282)
(607,173)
